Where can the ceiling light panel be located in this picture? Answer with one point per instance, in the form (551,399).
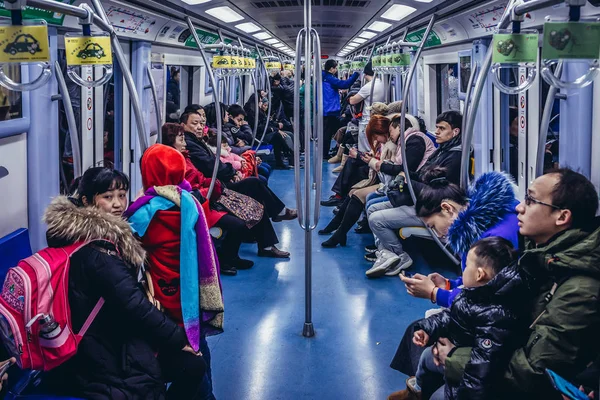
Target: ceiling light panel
(359,40)
(379,26)
(224,14)
(279,46)
(248,27)
(262,35)
(195,2)
(424,1)
(271,41)
(367,35)
(398,12)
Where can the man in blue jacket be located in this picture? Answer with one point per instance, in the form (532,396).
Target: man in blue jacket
(331,101)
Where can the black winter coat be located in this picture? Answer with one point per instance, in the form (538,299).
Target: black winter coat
(447,156)
(489,318)
(116,358)
(204,159)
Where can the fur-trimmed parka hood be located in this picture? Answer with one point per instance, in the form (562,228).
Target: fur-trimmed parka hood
(69,224)
(491,199)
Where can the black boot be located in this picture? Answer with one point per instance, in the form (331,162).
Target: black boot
(363,226)
(337,219)
(351,215)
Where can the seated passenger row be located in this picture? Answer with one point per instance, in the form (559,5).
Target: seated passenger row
(483,323)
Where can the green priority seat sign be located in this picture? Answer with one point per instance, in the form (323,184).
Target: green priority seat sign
(39,13)
(514,48)
(571,40)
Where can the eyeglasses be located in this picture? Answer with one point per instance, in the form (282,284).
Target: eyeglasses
(529,200)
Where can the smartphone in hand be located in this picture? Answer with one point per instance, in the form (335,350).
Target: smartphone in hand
(565,387)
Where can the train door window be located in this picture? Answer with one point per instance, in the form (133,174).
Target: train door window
(173,87)
(552,140)
(447,82)
(10,101)
(109,124)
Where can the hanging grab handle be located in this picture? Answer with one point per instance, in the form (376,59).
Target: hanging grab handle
(514,49)
(581,82)
(40,81)
(74,76)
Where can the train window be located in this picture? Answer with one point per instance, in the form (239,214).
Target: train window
(174,87)
(552,140)
(447,81)
(10,101)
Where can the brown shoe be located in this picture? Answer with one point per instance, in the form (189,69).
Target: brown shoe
(289,214)
(273,252)
(407,394)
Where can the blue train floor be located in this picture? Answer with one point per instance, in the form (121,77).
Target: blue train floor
(358,322)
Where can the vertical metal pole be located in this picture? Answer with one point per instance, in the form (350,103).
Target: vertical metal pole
(133,95)
(71,123)
(318,104)
(299,203)
(545,124)
(464,173)
(211,77)
(156,105)
(268,83)
(405,94)
(308,330)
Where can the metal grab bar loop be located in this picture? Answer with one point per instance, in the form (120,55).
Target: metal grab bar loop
(521,87)
(38,82)
(579,83)
(75,77)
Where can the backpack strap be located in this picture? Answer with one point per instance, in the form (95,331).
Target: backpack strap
(91,317)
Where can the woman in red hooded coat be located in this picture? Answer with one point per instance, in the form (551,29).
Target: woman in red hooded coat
(236,230)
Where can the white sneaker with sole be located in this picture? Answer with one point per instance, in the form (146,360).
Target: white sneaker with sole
(386,260)
(405,262)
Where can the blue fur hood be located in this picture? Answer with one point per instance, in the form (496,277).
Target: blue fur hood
(491,198)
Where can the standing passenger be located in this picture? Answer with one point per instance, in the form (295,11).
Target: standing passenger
(331,101)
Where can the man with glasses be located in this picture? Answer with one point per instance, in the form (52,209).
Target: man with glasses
(561,263)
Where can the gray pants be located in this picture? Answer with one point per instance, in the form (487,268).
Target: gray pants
(429,376)
(385,221)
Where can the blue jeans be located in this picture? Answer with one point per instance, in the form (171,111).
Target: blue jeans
(430,376)
(264,170)
(206,388)
(374,198)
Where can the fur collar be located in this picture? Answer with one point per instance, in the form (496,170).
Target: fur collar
(68,224)
(491,197)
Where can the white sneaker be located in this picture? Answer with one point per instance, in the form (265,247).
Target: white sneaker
(405,262)
(386,260)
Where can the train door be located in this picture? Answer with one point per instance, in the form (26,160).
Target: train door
(516,128)
(440,84)
(190,88)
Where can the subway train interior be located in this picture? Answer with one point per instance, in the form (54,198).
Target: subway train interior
(293,119)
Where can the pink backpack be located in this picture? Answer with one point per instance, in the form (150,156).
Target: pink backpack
(38,289)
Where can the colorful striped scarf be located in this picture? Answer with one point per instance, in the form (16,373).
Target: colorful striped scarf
(201,295)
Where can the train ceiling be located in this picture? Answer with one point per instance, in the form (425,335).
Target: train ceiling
(336,21)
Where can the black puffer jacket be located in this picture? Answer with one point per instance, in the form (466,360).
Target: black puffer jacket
(116,357)
(204,159)
(447,156)
(490,319)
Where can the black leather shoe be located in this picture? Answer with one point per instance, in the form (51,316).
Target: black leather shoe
(273,252)
(240,263)
(289,215)
(332,201)
(228,270)
(335,240)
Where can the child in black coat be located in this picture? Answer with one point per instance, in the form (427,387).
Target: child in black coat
(486,315)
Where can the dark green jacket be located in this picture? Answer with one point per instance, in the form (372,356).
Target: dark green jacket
(565,331)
